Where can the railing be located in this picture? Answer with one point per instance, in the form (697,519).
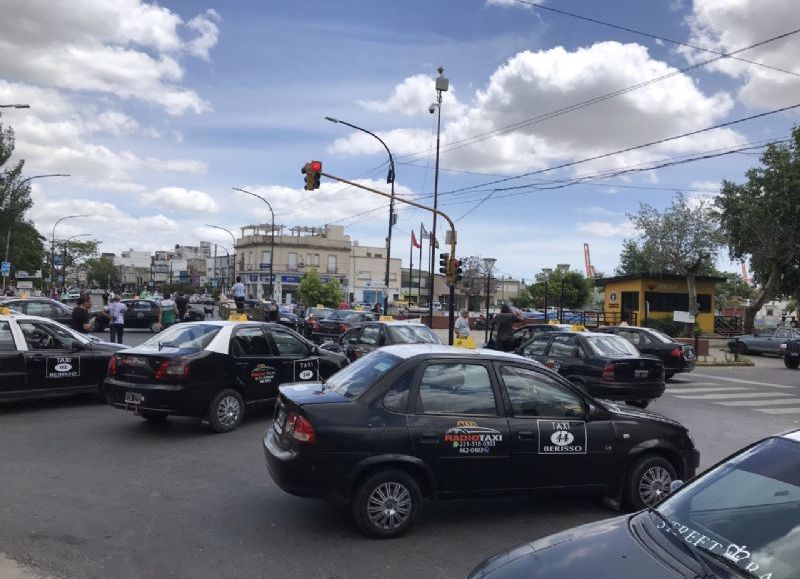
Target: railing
(728,325)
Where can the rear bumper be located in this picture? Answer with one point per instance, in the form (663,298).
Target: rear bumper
(324,336)
(626,391)
(295,472)
(174,399)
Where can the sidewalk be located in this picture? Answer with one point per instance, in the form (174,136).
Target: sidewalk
(10,569)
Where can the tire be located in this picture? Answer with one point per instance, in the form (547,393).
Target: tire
(154,417)
(155,327)
(226,411)
(638,403)
(647,482)
(668,376)
(741,349)
(386,504)
(791,363)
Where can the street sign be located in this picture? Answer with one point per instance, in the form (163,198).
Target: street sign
(24,285)
(5,269)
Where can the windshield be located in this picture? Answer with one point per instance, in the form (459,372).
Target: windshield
(319,312)
(746,512)
(612,346)
(349,317)
(658,335)
(412,335)
(191,336)
(354,379)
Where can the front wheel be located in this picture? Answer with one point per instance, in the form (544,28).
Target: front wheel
(387,504)
(638,403)
(155,327)
(648,482)
(226,411)
(741,349)
(792,363)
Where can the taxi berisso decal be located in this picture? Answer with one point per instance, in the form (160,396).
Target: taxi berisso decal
(306,369)
(263,374)
(63,367)
(469,438)
(562,436)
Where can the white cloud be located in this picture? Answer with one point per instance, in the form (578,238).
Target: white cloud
(205,25)
(510,3)
(724,26)
(606,229)
(180,199)
(414,96)
(595,210)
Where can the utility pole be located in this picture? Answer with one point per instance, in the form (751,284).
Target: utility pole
(442,85)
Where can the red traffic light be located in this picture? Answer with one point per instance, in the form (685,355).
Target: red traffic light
(316,166)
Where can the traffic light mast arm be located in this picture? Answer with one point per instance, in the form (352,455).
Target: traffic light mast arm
(401,200)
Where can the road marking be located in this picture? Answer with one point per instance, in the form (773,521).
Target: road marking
(740,381)
(691,390)
(733,396)
(795,410)
(772,402)
(690,383)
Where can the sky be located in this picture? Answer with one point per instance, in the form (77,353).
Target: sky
(157,110)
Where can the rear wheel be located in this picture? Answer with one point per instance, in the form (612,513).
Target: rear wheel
(638,403)
(226,411)
(155,327)
(647,482)
(387,504)
(792,363)
(741,349)
(668,376)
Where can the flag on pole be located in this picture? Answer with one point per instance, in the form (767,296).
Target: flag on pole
(423,233)
(414,242)
(434,241)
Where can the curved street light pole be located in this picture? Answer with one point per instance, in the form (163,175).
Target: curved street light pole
(390,180)
(53,247)
(233,246)
(272,240)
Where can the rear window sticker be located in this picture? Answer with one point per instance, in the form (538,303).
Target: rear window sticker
(306,369)
(63,367)
(562,436)
(469,438)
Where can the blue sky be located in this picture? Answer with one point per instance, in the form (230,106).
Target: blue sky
(157,111)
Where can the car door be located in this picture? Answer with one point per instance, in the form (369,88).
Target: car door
(536,348)
(761,342)
(349,343)
(294,358)
(257,369)
(370,339)
(565,355)
(459,426)
(137,314)
(51,361)
(555,441)
(12,362)
(782,335)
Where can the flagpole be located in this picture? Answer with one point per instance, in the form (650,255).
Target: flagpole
(419,268)
(410,268)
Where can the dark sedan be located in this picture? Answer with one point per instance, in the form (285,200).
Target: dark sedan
(364,338)
(603,365)
(259,311)
(740,519)
(338,323)
(213,370)
(676,357)
(42,307)
(141,313)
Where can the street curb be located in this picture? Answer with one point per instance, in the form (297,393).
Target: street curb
(708,363)
(10,569)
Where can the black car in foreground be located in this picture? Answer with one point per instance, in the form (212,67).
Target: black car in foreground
(213,370)
(603,365)
(676,357)
(338,323)
(740,519)
(364,338)
(413,421)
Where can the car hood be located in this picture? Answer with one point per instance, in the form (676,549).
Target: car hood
(618,411)
(600,550)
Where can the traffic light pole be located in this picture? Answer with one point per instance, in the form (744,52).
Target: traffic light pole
(426,208)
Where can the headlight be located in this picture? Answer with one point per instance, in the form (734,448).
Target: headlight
(285,320)
(783,346)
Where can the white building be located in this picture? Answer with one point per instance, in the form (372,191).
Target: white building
(367,275)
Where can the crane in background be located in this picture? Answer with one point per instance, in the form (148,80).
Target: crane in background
(590,271)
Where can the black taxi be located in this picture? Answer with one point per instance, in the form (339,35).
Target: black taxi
(413,421)
(40,357)
(364,338)
(213,370)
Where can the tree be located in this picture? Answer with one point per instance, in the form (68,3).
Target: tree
(332,294)
(26,250)
(633,259)
(312,291)
(15,200)
(684,239)
(577,290)
(733,291)
(760,219)
(101,271)
(473,282)
(73,254)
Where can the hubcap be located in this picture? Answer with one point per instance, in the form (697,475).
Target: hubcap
(654,485)
(228,411)
(389,505)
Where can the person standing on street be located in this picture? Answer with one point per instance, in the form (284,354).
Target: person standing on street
(462,325)
(54,294)
(377,308)
(167,312)
(80,315)
(116,314)
(274,315)
(504,325)
(183,304)
(238,290)
(105,298)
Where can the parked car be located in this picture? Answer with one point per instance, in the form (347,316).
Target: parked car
(738,519)
(42,307)
(426,420)
(338,323)
(258,310)
(362,339)
(676,357)
(763,341)
(528,331)
(313,316)
(213,370)
(40,358)
(604,365)
(141,313)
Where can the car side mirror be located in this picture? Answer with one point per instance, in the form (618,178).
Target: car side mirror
(675,485)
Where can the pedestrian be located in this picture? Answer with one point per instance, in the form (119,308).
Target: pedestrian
(782,323)
(54,294)
(168,311)
(238,290)
(274,315)
(105,298)
(376,309)
(793,322)
(115,312)
(462,325)
(503,323)
(80,315)
(183,304)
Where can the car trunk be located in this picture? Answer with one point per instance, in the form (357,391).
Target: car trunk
(132,367)
(637,370)
(293,400)
(330,327)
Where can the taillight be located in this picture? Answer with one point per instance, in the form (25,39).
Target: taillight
(342,328)
(677,352)
(112,366)
(608,372)
(300,429)
(172,370)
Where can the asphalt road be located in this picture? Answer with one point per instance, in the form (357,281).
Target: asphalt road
(89,491)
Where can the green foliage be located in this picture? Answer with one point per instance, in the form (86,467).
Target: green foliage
(26,250)
(473,284)
(101,271)
(733,291)
(633,259)
(577,290)
(332,294)
(312,291)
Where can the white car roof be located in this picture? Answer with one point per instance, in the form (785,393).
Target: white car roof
(406,351)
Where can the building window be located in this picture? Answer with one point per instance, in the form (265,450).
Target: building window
(313,260)
(266,258)
(392,276)
(292,262)
(664,302)
(331,264)
(364,275)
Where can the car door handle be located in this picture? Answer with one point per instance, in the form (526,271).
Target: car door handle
(526,435)
(429,438)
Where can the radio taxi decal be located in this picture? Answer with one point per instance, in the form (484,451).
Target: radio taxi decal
(63,367)
(562,436)
(469,438)
(263,374)
(306,369)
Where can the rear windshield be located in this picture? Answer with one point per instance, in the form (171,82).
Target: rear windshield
(412,335)
(190,336)
(658,335)
(349,317)
(612,346)
(354,379)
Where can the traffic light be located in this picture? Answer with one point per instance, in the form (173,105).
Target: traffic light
(312,172)
(457,271)
(444,264)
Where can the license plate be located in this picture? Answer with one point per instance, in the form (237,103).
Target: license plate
(641,373)
(133,398)
(279,420)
